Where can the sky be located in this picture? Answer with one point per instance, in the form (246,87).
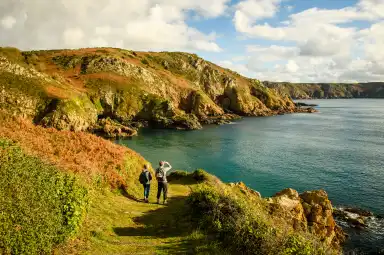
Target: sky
(274,40)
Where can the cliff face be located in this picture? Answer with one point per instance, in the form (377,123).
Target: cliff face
(328,90)
(311,210)
(79,89)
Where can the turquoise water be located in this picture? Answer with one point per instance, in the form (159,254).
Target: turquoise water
(340,149)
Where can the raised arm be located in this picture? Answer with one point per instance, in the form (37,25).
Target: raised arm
(168,167)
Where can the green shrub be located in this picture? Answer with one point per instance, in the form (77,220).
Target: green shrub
(39,206)
(200,175)
(242,225)
(228,218)
(145,62)
(296,245)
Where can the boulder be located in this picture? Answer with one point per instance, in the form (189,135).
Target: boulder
(319,216)
(310,211)
(112,129)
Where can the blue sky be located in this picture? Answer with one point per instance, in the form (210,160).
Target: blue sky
(281,40)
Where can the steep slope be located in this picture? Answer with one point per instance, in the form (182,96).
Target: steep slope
(328,90)
(114,91)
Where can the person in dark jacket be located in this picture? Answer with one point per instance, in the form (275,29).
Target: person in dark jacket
(145,179)
(162,184)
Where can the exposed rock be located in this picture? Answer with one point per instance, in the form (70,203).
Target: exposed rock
(358,211)
(355,217)
(319,216)
(113,129)
(245,189)
(311,210)
(287,204)
(76,114)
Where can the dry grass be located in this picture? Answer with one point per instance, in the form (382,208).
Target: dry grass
(93,158)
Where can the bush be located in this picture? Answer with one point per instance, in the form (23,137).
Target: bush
(200,175)
(39,206)
(230,220)
(243,226)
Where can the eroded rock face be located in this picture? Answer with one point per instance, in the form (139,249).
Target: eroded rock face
(113,129)
(318,211)
(76,114)
(310,210)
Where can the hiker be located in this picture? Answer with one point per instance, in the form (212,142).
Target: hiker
(161,176)
(145,179)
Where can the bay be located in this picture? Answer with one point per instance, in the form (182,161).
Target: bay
(340,149)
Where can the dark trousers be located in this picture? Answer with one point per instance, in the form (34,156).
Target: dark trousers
(146,190)
(162,186)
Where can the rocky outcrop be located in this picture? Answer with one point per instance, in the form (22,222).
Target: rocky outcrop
(355,217)
(245,189)
(112,129)
(310,211)
(76,114)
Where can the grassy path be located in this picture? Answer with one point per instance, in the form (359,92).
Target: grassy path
(117,225)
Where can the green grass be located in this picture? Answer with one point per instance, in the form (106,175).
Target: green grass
(117,225)
(40,206)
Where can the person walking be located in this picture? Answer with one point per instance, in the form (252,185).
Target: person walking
(162,184)
(145,179)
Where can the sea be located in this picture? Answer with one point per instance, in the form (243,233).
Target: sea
(339,149)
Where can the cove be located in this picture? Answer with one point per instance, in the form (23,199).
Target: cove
(340,149)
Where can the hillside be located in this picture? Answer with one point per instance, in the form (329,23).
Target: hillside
(65,190)
(115,91)
(328,90)
(76,193)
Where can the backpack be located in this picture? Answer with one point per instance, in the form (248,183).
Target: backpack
(144,179)
(160,174)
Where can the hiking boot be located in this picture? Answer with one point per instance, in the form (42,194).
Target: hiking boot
(165,202)
(146,200)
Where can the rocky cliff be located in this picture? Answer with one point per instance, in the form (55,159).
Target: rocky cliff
(310,211)
(328,90)
(87,89)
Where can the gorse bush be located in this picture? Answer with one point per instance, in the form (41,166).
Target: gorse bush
(39,206)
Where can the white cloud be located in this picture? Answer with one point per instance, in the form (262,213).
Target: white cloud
(292,66)
(139,25)
(273,52)
(8,22)
(73,36)
(240,68)
(326,44)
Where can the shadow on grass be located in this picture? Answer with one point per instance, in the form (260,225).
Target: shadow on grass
(168,221)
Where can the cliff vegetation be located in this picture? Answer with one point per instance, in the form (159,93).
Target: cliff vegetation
(114,91)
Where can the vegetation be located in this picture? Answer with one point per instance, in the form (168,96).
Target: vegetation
(51,175)
(242,225)
(40,206)
(329,90)
(204,215)
(95,160)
